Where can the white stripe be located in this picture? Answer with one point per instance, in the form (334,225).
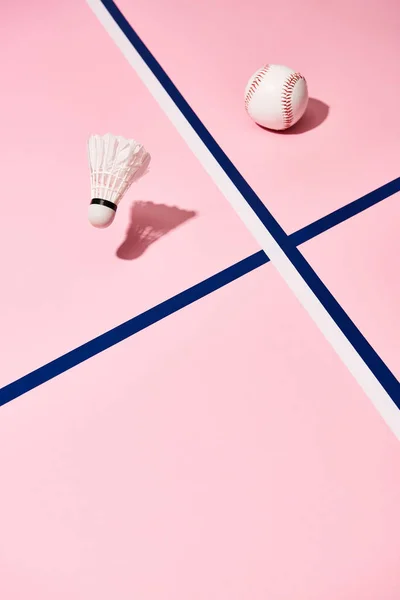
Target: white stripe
(367,380)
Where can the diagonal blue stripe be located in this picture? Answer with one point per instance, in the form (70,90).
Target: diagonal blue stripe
(345,212)
(129,328)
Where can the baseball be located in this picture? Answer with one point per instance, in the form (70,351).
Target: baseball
(276,97)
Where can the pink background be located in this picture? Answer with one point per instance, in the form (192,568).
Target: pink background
(224,453)
(367,248)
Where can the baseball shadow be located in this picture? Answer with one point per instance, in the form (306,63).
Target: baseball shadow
(148,223)
(316,113)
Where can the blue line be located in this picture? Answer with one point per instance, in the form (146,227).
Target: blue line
(349,329)
(129,328)
(157,313)
(345,212)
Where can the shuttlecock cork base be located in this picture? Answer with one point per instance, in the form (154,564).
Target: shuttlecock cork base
(101,212)
(115,163)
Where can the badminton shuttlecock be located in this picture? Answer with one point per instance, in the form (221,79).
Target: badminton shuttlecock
(115,163)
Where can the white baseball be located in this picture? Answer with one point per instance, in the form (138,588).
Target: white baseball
(276,97)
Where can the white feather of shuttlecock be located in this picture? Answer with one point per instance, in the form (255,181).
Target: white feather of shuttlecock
(115,162)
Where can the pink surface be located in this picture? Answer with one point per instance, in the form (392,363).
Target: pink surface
(348,52)
(62,281)
(366,284)
(225,453)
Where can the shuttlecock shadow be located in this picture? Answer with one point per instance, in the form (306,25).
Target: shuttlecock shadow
(316,113)
(148,223)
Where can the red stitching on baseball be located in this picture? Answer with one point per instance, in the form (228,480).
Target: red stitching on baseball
(259,76)
(287,92)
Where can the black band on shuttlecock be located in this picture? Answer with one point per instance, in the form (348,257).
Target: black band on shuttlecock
(102,202)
